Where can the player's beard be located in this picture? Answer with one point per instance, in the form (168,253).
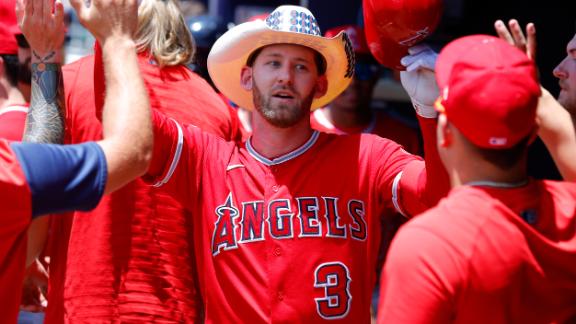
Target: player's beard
(567,99)
(282,115)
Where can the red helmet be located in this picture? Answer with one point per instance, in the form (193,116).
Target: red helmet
(392,26)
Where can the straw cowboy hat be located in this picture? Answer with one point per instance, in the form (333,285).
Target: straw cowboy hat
(285,25)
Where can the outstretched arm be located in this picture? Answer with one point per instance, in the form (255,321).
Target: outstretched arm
(422,187)
(558,133)
(45,119)
(71,177)
(127,125)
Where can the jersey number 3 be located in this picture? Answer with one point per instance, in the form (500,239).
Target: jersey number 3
(334,277)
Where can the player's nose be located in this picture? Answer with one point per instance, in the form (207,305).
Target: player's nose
(559,71)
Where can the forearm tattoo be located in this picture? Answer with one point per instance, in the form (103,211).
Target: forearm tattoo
(45,121)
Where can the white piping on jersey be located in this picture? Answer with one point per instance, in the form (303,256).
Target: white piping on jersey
(323,120)
(176,158)
(234,166)
(289,156)
(494,184)
(395,201)
(23,109)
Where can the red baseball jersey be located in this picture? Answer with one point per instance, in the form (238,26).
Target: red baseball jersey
(486,255)
(16,210)
(36,179)
(381,125)
(290,239)
(12,122)
(131,259)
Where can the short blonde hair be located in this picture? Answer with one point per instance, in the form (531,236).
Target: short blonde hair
(162,31)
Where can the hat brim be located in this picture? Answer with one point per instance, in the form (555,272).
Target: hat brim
(231,51)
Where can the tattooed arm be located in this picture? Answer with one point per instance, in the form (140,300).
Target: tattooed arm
(45,118)
(45,121)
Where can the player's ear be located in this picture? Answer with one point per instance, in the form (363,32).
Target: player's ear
(444,134)
(321,86)
(246,78)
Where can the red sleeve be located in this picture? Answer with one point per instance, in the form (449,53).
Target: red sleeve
(419,279)
(12,124)
(421,185)
(174,159)
(179,157)
(15,216)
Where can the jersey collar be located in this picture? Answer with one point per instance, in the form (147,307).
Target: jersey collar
(286,157)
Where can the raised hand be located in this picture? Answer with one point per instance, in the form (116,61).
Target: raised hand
(419,79)
(513,34)
(42,23)
(107,19)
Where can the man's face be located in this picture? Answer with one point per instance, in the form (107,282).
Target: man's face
(566,73)
(284,83)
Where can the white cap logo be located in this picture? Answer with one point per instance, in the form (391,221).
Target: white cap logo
(498,141)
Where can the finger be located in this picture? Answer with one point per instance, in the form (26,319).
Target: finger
(79,7)
(408,60)
(59,14)
(531,44)
(418,64)
(46,11)
(517,33)
(418,48)
(503,32)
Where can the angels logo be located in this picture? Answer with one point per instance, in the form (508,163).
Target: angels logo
(300,217)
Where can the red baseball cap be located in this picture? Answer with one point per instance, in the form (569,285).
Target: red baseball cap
(489,90)
(355,34)
(393,26)
(8,27)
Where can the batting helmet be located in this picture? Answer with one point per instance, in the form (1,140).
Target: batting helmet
(392,26)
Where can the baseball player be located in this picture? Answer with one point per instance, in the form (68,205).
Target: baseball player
(154,277)
(288,227)
(501,247)
(36,179)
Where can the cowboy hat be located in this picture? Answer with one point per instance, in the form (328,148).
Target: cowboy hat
(285,25)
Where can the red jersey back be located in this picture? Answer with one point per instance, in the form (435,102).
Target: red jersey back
(132,258)
(12,122)
(486,255)
(16,213)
